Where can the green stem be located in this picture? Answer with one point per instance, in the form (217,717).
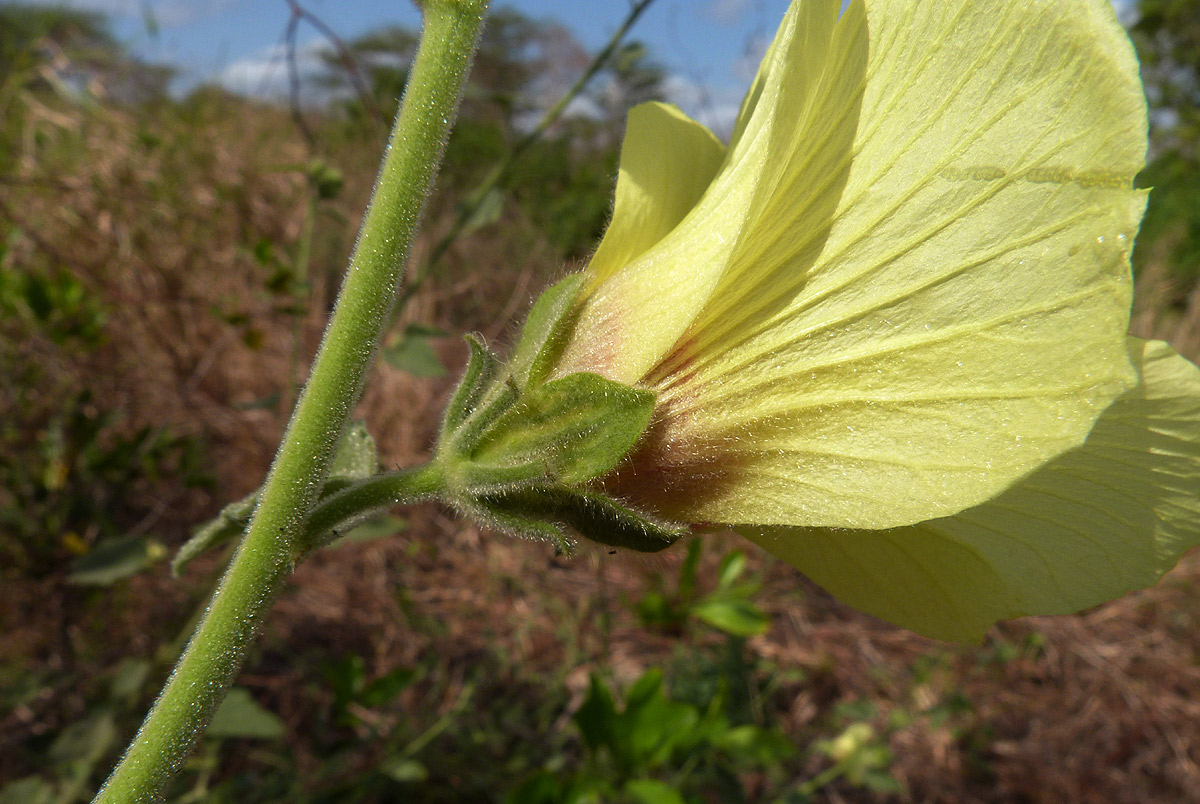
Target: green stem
(343,509)
(270,548)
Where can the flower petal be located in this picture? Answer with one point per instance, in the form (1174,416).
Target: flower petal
(667,162)
(631,317)
(1099,521)
(963,321)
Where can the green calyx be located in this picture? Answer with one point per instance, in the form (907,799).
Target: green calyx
(518,451)
(521,451)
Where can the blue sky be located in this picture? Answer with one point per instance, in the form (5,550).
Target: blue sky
(709,47)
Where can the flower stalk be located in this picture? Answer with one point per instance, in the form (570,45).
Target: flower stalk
(273,541)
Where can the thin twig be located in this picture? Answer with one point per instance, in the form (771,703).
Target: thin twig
(289,37)
(345,55)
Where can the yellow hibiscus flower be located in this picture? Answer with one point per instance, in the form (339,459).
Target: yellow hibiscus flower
(882,324)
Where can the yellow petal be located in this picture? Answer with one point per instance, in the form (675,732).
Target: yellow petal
(667,162)
(1095,523)
(963,320)
(632,317)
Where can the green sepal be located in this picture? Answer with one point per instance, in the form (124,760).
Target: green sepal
(481,370)
(356,459)
(543,336)
(516,448)
(577,427)
(496,400)
(518,522)
(591,514)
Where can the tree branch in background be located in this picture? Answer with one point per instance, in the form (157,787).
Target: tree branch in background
(349,63)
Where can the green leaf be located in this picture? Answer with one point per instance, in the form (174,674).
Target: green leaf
(325,179)
(652,791)
(114,560)
(597,716)
(736,616)
(356,457)
(543,335)
(577,427)
(404,770)
(30,790)
(228,524)
(128,679)
(647,688)
(754,744)
(376,528)
(268,402)
(412,352)
(240,716)
(386,687)
(486,212)
(732,566)
(543,787)
(84,742)
(653,726)
(882,782)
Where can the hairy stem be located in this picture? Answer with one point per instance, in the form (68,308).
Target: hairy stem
(272,544)
(342,510)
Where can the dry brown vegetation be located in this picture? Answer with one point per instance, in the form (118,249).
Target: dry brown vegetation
(158,216)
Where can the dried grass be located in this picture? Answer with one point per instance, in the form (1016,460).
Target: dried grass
(1106,709)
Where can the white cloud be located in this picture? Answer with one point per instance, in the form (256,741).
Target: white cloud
(727,11)
(715,107)
(265,74)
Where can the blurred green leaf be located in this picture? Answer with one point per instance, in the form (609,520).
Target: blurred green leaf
(84,742)
(882,782)
(732,567)
(486,212)
(30,790)
(268,402)
(114,560)
(376,528)
(754,744)
(733,615)
(128,679)
(325,179)
(543,787)
(413,353)
(386,687)
(403,769)
(239,715)
(652,791)
(653,727)
(597,716)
